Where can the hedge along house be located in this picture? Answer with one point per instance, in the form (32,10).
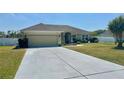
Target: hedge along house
(52,35)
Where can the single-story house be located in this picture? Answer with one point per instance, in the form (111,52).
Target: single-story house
(106,33)
(52,35)
(108,36)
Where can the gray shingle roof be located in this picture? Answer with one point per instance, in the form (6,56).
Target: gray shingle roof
(50,27)
(107,33)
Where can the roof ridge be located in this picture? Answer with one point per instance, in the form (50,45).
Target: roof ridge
(55,26)
(66,26)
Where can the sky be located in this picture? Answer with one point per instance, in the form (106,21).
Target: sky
(86,21)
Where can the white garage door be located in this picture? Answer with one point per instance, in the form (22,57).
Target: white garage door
(38,41)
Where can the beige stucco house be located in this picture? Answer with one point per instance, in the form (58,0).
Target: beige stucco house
(52,35)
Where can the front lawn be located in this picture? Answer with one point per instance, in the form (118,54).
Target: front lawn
(10,60)
(104,51)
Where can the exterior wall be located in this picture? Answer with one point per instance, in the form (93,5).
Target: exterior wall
(60,34)
(79,36)
(43,38)
(62,38)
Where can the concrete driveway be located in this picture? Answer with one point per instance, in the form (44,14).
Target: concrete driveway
(62,63)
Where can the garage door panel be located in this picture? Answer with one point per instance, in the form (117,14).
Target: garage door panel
(37,41)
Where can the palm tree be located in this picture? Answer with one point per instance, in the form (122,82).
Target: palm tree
(116,26)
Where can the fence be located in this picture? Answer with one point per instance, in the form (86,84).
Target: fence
(8,41)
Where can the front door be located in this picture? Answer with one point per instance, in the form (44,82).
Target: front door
(67,38)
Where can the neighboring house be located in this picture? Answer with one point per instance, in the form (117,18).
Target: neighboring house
(106,33)
(106,36)
(53,35)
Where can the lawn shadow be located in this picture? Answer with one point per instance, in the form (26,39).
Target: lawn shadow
(118,48)
(16,47)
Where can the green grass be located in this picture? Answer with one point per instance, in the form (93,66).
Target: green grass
(10,60)
(104,51)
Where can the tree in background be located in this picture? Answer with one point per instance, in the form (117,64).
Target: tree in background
(116,26)
(10,34)
(2,34)
(13,34)
(97,32)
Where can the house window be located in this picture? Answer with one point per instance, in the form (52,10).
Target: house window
(87,37)
(73,38)
(83,37)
